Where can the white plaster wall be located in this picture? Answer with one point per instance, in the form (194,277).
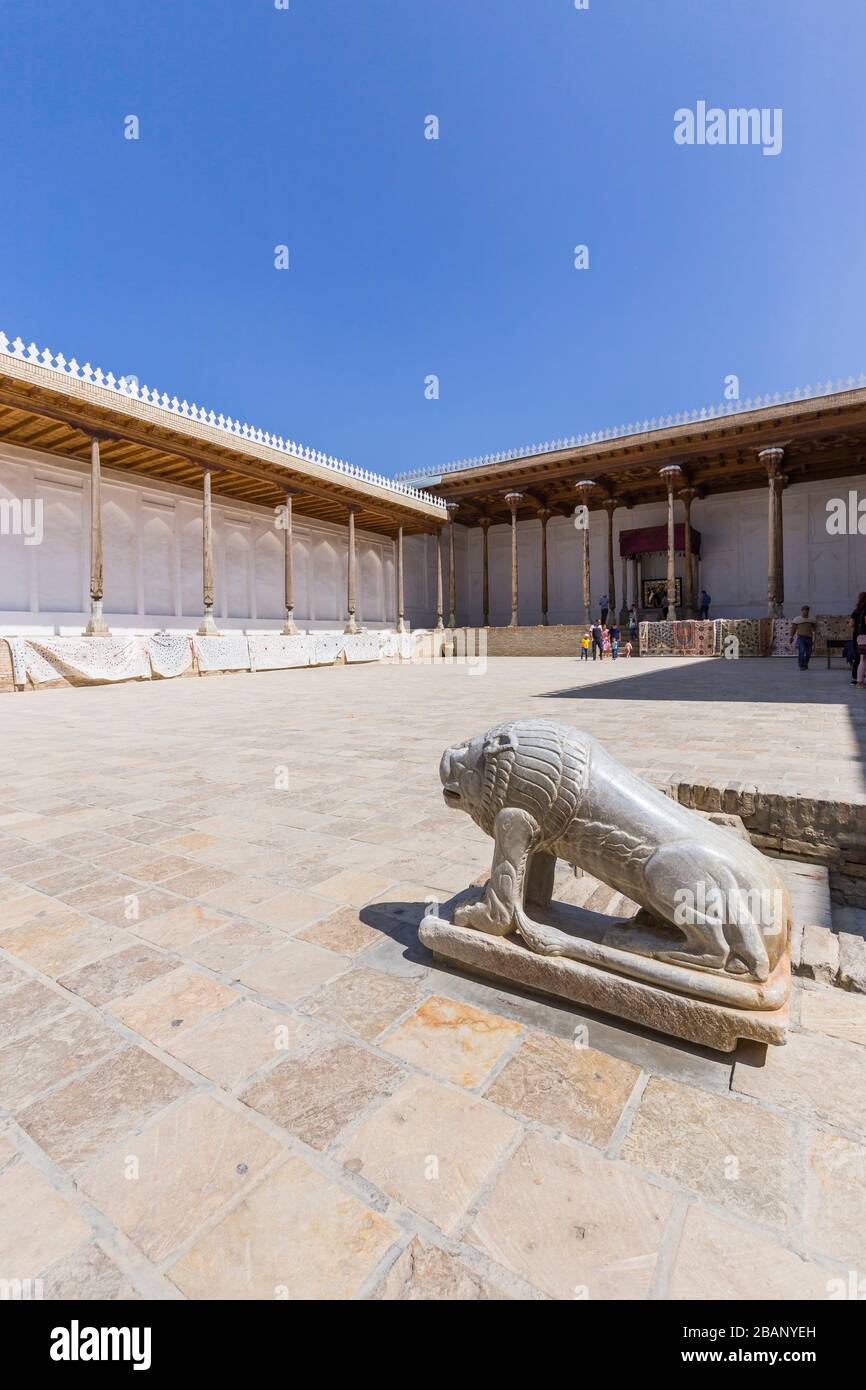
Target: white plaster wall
(152,540)
(824,571)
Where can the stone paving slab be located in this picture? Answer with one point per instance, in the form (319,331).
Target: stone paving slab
(220,978)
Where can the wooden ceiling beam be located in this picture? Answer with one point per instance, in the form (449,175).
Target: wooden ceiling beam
(372,514)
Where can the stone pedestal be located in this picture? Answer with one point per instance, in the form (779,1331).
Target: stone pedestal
(507,961)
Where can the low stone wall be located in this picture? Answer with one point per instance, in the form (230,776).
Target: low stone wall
(810,829)
(560,640)
(563,639)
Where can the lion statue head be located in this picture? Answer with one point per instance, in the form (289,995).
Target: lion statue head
(519,764)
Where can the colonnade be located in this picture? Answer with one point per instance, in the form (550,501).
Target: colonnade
(97,627)
(678,488)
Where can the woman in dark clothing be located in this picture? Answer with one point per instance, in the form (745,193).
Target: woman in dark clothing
(858,629)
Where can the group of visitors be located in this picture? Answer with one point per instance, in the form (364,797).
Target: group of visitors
(604,641)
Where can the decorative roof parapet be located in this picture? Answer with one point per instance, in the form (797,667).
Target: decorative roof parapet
(662,422)
(129,387)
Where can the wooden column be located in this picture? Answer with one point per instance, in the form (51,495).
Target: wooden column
(610,505)
(772,461)
(438,538)
(452,509)
(544,515)
(688,495)
(671,476)
(351,623)
(289,630)
(484,523)
(399,625)
(96,626)
(514,499)
(623,611)
(584,491)
(208,627)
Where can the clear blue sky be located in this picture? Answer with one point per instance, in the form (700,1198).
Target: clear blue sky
(305,127)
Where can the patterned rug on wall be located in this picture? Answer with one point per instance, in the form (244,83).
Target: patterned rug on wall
(831,628)
(746,632)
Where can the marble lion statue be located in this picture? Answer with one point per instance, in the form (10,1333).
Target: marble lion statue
(545,791)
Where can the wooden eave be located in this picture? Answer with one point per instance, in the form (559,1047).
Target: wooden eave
(823,437)
(60,416)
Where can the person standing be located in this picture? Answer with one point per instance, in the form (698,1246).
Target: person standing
(632,624)
(604,605)
(858,627)
(804,629)
(584,647)
(858,624)
(597,646)
(704,609)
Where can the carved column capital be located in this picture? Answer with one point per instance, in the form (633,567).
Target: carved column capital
(513,499)
(672,476)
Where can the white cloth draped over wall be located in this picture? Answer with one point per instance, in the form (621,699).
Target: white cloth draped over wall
(105,660)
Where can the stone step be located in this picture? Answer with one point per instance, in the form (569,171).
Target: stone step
(829,941)
(852,962)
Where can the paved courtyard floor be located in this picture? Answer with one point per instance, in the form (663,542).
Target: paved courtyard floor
(228,1070)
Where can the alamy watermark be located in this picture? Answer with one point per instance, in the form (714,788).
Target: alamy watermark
(463,647)
(713,125)
(846,516)
(707,903)
(22,517)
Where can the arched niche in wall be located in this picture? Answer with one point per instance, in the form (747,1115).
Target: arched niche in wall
(14,554)
(389,587)
(60,559)
(301,565)
(190,521)
(237,552)
(327,573)
(120,550)
(371,603)
(270,561)
(158,562)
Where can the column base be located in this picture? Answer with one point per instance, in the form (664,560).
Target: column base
(400,626)
(289,630)
(97,626)
(207,627)
(352,626)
